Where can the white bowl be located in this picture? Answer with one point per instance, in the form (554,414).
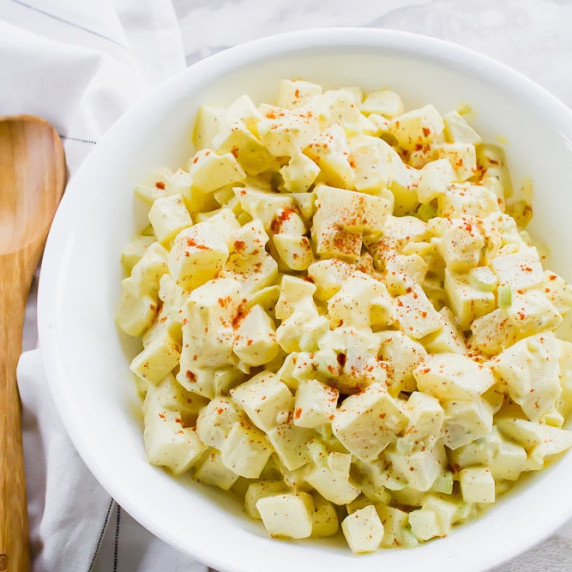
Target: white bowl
(87,360)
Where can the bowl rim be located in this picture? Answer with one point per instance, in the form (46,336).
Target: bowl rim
(555,112)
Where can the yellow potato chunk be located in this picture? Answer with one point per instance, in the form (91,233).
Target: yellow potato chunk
(363,530)
(287,515)
(367,422)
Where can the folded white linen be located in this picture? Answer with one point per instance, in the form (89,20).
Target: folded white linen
(80,65)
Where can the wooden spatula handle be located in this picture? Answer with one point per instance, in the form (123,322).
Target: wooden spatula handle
(14,543)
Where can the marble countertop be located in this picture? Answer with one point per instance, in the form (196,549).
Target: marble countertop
(532,36)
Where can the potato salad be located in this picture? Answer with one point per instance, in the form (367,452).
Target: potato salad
(343,320)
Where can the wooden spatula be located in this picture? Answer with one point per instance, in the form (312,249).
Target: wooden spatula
(32,180)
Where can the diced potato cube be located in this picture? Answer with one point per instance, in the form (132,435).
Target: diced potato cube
(558,291)
(315,404)
(169,444)
(417,127)
(336,242)
(330,151)
(461,245)
(289,443)
(208,122)
(531,312)
(157,184)
(169,216)
(352,304)
(199,380)
(357,362)
(169,395)
(287,221)
(328,276)
(245,450)
(492,159)
(350,210)
(157,360)
(462,157)
(197,255)
(286,132)
(339,107)
(149,269)
(467,303)
(164,325)
(292,290)
(254,272)
(508,462)
(458,130)
(324,518)
(383,102)
(424,523)
(287,515)
(505,459)
(465,199)
(216,420)
(242,109)
(477,485)
(209,309)
(530,368)
(483,278)
(237,139)
(295,251)
(305,203)
(503,237)
(376,164)
(264,205)
(299,174)
(448,338)
(447,511)
(434,180)
(419,468)
(367,422)
(493,332)
(395,526)
(260,489)
(211,471)
(425,417)
(466,421)
(402,272)
(264,398)
(210,171)
(265,297)
(297,93)
(255,343)
(449,376)
(539,439)
(133,252)
(303,328)
(415,313)
(306,364)
(363,530)
(403,231)
(250,239)
(520,270)
(331,478)
(135,312)
(291,365)
(223,223)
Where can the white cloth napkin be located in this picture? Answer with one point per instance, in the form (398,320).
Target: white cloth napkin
(80,64)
